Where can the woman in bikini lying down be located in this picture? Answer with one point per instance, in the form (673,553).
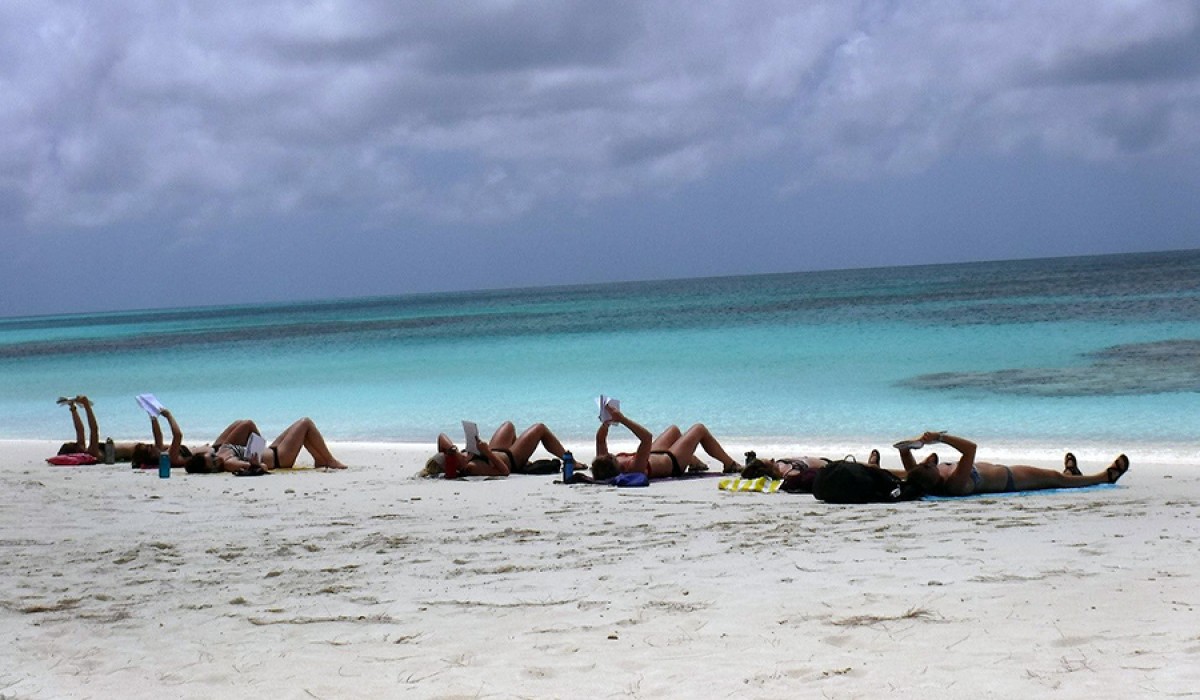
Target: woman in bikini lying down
(506,453)
(968,476)
(672,453)
(146,454)
(83,444)
(228,452)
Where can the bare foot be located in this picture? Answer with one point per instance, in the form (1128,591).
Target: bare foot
(873,458)
(1070,466)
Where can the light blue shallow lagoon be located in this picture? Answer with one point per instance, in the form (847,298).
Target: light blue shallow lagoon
(1055,352)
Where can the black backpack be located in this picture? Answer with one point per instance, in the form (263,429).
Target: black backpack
(847,481)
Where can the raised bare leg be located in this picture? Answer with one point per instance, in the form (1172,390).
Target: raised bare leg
(522,449)
(237,433)
(684,448)
(504,436)
(79,445)
(669,436)
(304,433)
(93,446)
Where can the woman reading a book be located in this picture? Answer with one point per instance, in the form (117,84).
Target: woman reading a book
(83,444)
(146,454)
(967,476)
(506,453)
(229,451)
(672,453)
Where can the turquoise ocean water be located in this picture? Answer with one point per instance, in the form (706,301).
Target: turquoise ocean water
(1052,352)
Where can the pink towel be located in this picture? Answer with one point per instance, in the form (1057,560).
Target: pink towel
(72,459)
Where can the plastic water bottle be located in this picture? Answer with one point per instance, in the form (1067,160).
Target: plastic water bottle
(164,465)
(568,461)
(110,452)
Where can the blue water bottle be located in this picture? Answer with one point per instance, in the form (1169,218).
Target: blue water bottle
(568,461)
(164,465)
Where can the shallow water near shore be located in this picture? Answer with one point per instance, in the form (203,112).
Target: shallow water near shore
(1050,353)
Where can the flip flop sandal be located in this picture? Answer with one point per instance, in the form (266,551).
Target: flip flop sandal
(1117,470)
(1071,466)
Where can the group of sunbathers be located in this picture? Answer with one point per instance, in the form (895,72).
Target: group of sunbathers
(226,453)
(672,453)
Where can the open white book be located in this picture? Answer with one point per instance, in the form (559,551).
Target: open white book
(606,404)
(471,431)
(255,445)
(150,404)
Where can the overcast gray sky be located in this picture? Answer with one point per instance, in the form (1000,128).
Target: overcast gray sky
(168,153)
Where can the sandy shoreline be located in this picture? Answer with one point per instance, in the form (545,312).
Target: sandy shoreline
(370,583)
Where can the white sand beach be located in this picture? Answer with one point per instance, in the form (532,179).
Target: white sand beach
(370,583)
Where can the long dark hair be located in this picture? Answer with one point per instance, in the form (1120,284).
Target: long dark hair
(198,464)
(604,467)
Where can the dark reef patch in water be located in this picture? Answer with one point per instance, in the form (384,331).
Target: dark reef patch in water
(1162,367)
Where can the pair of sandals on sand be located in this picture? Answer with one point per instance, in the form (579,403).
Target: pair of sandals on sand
(1119,466)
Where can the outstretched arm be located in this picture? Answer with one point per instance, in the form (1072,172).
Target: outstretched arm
(965,447)
(156,431)
(907,460)
(641,460)
(495,466)
(602,439)
(176,437)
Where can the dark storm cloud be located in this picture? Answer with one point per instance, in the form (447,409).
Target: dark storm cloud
(169,111)
(1171,57)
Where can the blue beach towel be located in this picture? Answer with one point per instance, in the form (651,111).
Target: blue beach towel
(1036,492)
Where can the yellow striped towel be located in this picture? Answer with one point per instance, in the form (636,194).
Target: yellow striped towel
(761,484)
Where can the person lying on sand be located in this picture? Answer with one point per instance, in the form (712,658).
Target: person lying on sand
(146,454)
(798,473)
(89,444)
(228,452)
(668,455)
(506,453)
(968,476)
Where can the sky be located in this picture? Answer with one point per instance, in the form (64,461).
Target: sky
(165,153)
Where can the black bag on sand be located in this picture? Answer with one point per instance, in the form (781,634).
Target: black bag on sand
(847,481)
(542,466)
